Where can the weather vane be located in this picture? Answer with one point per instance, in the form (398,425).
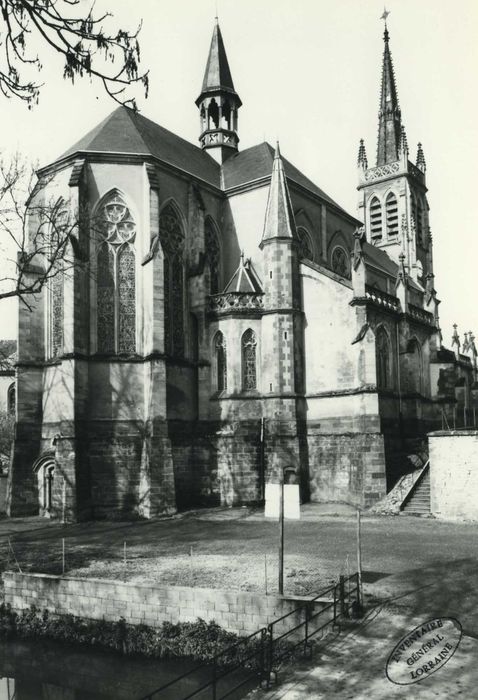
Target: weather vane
(385,15)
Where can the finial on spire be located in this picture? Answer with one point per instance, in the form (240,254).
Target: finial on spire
(362,156)
(403,141)
(277,153)
(384,17)
(421,164)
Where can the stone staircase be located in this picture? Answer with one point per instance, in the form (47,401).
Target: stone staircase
(417,501)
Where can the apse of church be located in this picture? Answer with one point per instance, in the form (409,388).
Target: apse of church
(223,319)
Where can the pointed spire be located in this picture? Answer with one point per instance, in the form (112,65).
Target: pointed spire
(465,342)
(217,74)
(455,340)
(279,221)
(421,164)
(389,127)
(362,161)
(218,103)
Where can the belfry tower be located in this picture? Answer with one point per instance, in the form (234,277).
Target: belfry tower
(392,195)
(218,103)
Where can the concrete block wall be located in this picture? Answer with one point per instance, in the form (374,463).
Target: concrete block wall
(236,611)
(454,474)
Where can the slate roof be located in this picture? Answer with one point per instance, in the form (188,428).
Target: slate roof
(217,74)
(126,131)
(379,258)
(245,279)
(256,162)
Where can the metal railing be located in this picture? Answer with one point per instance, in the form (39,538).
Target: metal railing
(255,659)
(247,655)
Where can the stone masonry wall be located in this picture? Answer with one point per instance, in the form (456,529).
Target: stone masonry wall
(236,611)
(347,467)
(454,474)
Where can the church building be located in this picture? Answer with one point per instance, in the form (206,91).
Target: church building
(225,321)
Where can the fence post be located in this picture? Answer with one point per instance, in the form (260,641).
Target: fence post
(214,679)
(335,603)
(270,653)
(342,594)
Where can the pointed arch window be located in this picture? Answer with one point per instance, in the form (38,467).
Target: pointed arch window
(305,244)
(383,358)
(391,212)
(375,218)
(59,227)
(172,241)
(249,361)
(220,353)
(116,277)
(56,308)
(213,256)
(340,262)
(11,399)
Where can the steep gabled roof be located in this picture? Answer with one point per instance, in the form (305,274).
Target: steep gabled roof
(245,279)
(256,162)
(126,131)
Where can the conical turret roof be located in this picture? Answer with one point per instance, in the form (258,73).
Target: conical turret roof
(217,76)
(279,221)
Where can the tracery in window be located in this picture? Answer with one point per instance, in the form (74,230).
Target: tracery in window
(172,241)
(249,365)
(305,244)
(340,262)
(116,277)
(56,310)
(221,361)
(383,353)
(213,256)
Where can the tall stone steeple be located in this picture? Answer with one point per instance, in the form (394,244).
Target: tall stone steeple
(389,116)
(392,194)
(218,103)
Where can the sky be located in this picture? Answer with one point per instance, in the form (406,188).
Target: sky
(308,73)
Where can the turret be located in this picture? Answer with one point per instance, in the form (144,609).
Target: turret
(218,103)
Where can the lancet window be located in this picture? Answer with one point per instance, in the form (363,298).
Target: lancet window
(383,359)
(305,244)
(213,257)
(391,212)
(249,361)
(56,309)
(220,351)
(375,218)
(340,262)
(172,241)
(116,277)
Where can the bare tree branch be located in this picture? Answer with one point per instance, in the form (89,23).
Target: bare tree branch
(86,47)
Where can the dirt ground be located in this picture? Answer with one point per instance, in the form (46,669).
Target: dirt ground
(414,569)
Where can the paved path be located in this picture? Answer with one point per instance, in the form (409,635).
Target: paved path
(351,666)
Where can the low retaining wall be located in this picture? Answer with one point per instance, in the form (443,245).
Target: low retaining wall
(98,599)
(454,473)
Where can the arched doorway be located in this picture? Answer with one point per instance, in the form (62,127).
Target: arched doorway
(44,468)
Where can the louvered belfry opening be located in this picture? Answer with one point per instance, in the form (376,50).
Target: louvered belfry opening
(391,210)
(375,218)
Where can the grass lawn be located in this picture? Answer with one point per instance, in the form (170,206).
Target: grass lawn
(436,562)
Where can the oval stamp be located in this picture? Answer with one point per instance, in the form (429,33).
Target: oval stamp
(424,650)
